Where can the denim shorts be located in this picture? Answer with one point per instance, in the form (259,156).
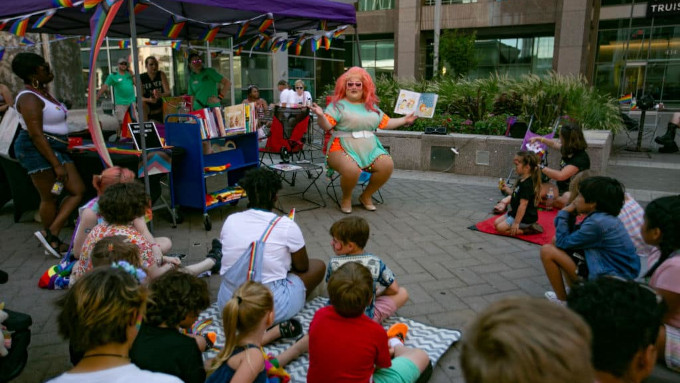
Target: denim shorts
(30,158)
(289,297)
(510,220)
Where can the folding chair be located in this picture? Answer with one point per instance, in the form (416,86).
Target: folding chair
(287,133)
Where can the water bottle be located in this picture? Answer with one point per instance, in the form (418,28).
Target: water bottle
(549,198)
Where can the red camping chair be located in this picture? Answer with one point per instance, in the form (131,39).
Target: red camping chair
(287,133)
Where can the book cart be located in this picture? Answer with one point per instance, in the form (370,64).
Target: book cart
(189,176)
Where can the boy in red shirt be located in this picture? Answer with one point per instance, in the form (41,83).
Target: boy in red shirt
(347,346)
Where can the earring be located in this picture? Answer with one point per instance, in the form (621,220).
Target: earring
(35,83)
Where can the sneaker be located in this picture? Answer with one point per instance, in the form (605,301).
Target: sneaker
(398,330)
(552,297)
(216,254)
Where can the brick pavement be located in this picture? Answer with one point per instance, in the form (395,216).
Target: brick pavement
(421,233)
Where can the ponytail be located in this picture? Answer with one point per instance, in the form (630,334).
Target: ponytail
(531,159)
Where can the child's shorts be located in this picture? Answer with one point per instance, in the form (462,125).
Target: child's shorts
(384,308)
(580,260)
(289,297)
(510,220)
(672,352)
(402,371)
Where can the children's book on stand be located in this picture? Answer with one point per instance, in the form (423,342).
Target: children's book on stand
(240,118)
(422,104)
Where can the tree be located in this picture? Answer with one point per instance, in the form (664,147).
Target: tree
(458,50)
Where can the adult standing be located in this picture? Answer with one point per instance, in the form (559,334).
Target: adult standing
(5,99)
(286,269)
(155,86)
(41,149)
(284,92)
(300,97)
(354,116)
(123,84)
(206,85)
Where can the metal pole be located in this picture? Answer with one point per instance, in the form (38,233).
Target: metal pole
(625,52)
(108,59)
(437,27)
(358,46)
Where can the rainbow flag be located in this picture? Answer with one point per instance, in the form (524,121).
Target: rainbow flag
(327,43)
(298,49)
(265,24)
(323,24)
(26,42)
(3,25)
(89,4)
(124,44)
(2,52)
(243,29)
(339,31)
(19,27)
(626,99)
(256,42)
(239,50)
(62,3)
(287,45)
(316,44)
(44,19)
(172,29)
(140,6)
(209,34)
(176,45)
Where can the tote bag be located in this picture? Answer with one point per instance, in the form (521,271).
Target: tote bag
(247,268)
(9,129)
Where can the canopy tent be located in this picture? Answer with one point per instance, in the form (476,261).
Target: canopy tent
(151,18)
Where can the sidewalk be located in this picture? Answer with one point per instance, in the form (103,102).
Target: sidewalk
(421,232)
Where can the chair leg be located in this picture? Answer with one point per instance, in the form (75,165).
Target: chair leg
(331,188)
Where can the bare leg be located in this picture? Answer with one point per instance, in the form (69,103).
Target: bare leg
(43,182)
(415,355)
(400,298)
(313,276)
(382,171)
(200,267)
(500,225)
(75,188)
(165,243)
(555,262)
(349,175)
(294,351)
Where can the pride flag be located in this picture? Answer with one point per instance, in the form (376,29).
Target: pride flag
(44,19)
(327,43)
(2,52)
(123,44)
(172,29)
(209,34)
(239,50)
(19,27)
(323,24)
(62,3)
(176,45)
(339,31)
(626,99)
(3,24)
(89,4)
(265,24)
(243,29)
(140,6)
(26,42)
(316,44)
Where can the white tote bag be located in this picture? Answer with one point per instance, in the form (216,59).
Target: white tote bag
(9,127)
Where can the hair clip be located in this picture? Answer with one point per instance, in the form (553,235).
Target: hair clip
(138,273)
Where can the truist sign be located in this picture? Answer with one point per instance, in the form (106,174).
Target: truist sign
(659,8)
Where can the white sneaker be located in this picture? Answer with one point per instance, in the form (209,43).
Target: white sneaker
(552,297)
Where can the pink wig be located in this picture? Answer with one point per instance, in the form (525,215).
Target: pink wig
(369,98)
(111,176)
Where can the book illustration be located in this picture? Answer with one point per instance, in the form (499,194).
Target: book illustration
(421,104)
(285,167)
(235,118)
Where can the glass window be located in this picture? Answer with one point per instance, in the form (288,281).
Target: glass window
(374,5)
(444,2)
(377,57)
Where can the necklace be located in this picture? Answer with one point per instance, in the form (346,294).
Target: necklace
(111,355)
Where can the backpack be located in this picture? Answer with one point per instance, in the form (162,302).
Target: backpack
(248,267)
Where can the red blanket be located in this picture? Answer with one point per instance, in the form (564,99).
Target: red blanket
(545,219)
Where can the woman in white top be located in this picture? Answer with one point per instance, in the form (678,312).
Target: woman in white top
(41,149)
(300,98)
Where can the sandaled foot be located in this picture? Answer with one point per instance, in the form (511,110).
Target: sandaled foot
(398,330)
(290,328)
(367,205)
(50,242)
(500,208)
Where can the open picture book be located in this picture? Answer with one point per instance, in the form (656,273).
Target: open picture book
(422,104)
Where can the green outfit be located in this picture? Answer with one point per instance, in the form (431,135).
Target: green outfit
(123,87)
(356,118)
(202,86)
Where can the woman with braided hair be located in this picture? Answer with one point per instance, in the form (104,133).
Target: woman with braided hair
(286,269)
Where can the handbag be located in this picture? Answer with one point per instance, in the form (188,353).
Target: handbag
(248,267)
(9,130)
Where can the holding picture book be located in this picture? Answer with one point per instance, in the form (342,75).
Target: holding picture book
(422,104)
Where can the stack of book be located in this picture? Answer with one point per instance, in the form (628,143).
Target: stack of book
(235,119)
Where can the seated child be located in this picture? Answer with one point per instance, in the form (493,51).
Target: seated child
(350,235)
(175,302)
(112,249)
(662,229)
(613,307)
(523,215)
(511,338)
(599,246)
(347,346)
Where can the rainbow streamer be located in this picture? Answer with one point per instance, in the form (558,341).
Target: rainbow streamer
(123,44)
(323,24)
(265,39)
(172,29)
(298,49)
(2,52)
(256,42)
(291,215)
(243,29)
(239,50)
(19,27)
(26,42)
(265,24)
(287,45)
(89,4)
(327,43)
(62,3)
(339,31)
(140,6)
(176,45)
(44,19)
(99,26)
(316,44)
(209,34)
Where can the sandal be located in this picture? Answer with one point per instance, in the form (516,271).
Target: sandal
(290,328)
(500,208)
(51,242)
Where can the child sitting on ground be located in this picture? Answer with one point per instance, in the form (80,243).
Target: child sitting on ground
(349,237)
(661,228)
(176,300)
(514,341)
(599,246)
(523,215)
(112,249)
(347,346)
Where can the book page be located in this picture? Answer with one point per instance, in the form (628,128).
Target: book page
(406,102)
(426,105)
(235,118)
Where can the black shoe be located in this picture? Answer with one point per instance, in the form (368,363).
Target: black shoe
(216,254)
(668,137)
(672,148)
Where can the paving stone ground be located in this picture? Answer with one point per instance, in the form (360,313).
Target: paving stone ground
(421,232)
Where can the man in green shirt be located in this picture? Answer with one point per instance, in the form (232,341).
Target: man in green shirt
(206,85)
(123,84)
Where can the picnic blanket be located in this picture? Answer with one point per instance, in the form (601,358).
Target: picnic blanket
(545,219)
(435,341)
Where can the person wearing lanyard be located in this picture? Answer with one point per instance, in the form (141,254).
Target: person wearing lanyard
(206,85)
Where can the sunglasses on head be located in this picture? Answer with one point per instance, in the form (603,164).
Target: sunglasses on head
(196,61)
(354,84)
(123,63)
